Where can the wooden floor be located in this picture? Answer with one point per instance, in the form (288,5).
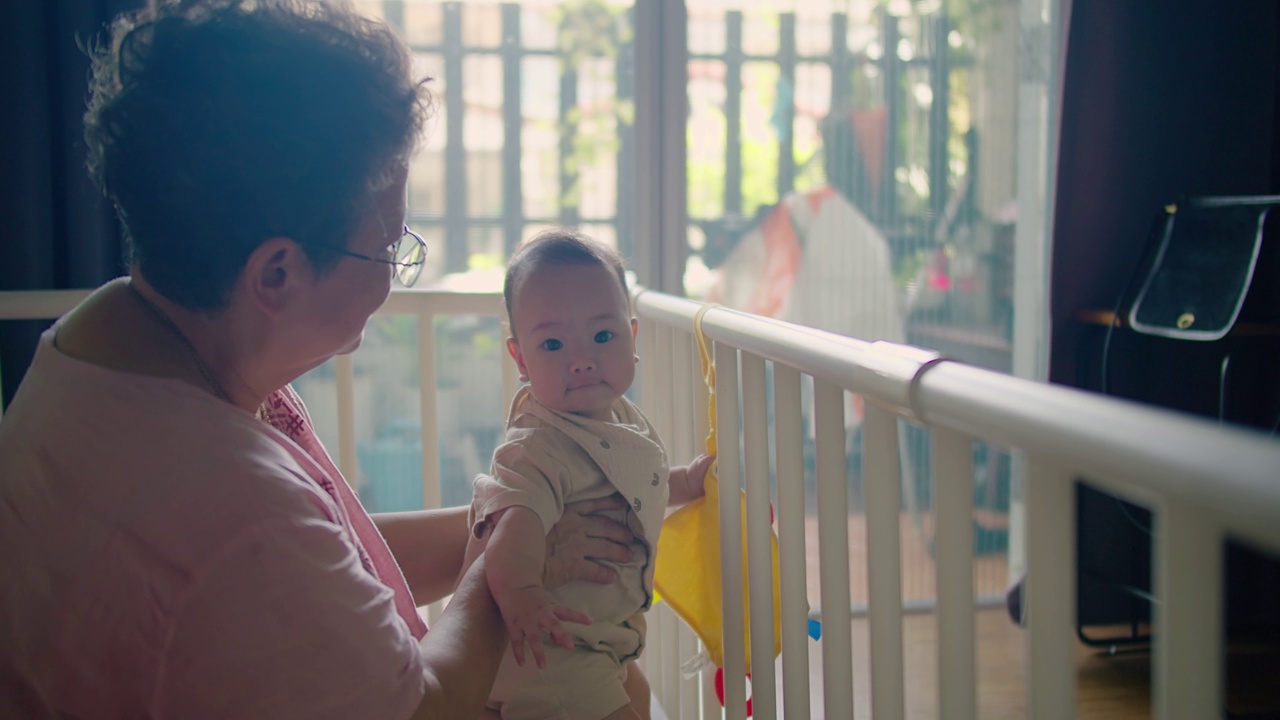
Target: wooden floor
(1111,686)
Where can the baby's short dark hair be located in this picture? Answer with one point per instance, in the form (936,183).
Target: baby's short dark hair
(559,246)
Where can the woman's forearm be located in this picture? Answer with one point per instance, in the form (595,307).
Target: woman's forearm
(429,546)
(462,651)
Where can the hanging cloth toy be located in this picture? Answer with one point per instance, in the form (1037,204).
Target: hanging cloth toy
(687,575)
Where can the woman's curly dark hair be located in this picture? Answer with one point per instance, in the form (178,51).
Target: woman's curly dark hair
(215,125)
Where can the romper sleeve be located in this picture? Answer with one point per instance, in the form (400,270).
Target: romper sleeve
(286,622)
(525,473)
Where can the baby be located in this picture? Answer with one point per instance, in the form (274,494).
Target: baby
(572,435)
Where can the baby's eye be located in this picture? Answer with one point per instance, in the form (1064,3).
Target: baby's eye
(552,344)
(604,336)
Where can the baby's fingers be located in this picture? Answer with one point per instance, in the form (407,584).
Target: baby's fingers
(539,656)
(517,649)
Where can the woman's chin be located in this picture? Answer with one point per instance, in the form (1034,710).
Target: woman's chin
(352,346)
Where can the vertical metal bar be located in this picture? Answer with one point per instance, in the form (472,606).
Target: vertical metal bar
(939,119)
(733,113)
(953,544)
(569,195)
(661,202)
(755,421)
(625,209)
(732,640)
(841,66)
(455,152)
(673,240)
(1050,590)
(892,68)
(833,549)
(787,110)
(884,560)
(1188,677)
(512,126)
(792,557)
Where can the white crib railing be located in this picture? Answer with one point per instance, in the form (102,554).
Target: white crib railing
(1204,483)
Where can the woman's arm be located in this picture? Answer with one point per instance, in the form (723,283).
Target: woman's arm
(429,546)
(462,652)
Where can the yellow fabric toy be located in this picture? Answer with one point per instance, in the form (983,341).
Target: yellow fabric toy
(687,576)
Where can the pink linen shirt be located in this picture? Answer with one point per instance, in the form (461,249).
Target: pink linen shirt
(165,555)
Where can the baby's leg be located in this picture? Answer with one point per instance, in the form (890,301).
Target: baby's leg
(626,712)
(637,686)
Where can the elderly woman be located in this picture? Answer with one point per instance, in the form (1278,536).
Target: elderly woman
(176,541)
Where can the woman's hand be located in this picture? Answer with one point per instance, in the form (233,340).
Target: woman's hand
(581,538)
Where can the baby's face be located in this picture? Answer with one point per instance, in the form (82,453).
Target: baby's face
(574,338)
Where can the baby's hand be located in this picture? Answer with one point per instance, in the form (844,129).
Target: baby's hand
(528,613)
(696,476)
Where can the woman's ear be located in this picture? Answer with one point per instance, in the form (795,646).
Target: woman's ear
(275,272)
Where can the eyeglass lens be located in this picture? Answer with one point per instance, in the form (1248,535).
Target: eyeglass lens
(411,253)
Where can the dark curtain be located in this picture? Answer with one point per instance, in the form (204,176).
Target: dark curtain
(57,231)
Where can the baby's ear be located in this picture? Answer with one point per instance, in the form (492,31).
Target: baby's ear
(635,328)
(513,349)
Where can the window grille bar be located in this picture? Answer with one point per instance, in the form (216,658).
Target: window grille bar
(786,104)
(733,60)
(455,153)
(569,191)
(512,126)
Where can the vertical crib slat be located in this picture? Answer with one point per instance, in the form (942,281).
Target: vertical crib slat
(344,372)
(687,647)
(671,664)
(791,542)
(661,656)
(755,420)
(733,642)
(428,400)
(953,545)
(1050,590)
(1188,661)
(701,426)
(833,550)
(884,561)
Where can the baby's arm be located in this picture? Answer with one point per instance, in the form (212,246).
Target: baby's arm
(515,555)
(687,481)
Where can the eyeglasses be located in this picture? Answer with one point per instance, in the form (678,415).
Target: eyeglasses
(407,257)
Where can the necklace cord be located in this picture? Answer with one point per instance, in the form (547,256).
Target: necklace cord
(176,331)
